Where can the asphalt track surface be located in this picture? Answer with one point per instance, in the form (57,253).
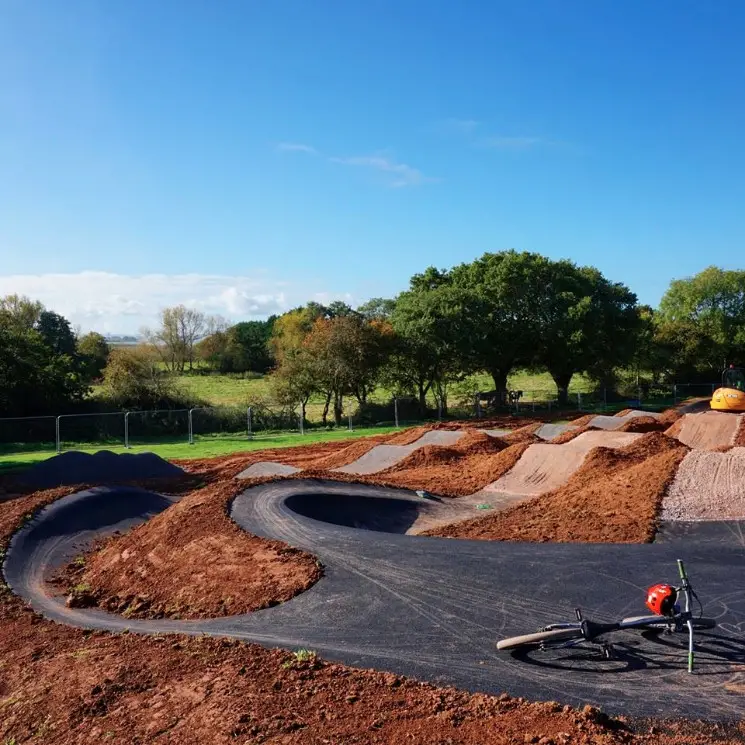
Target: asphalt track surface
(433,608)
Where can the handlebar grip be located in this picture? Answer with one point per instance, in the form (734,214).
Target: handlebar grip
(681,569)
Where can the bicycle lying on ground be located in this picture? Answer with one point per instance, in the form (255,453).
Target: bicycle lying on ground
(661,600)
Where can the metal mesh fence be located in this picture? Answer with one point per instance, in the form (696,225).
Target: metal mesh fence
(144,428)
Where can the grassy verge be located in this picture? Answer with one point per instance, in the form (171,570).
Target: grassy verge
(203,447)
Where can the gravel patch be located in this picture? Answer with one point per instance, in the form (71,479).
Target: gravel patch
(708,486)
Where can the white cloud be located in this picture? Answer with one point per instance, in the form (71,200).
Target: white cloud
(296,147)
(123,304)
(400,174)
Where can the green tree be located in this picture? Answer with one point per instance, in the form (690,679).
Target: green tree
(94,354)
(134,379)
(708,310)
(436,327)
(585,322)
(56,333)
(248,346)
(377,309)
(507,324)
(33,380)
(19,313)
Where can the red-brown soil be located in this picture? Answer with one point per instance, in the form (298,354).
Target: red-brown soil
(192,561)
(65,686)
(643,424)
(614,497)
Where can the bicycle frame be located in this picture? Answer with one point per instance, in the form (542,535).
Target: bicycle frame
(676,622)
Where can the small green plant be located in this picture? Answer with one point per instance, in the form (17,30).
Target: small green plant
(82,587)
(299,657)
(305,655)
(11,741)
(79,561)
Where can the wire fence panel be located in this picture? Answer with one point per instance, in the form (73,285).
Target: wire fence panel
(223,422)
(157,426)
(28,433)
(86,431)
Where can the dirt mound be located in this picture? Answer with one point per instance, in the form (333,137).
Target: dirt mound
(643,424)
(708,486)
(103,467)
(192,561)
(459,477)
(528,433)
(709,430)
(548,466)
(471,443)
(570,434)
(614,497)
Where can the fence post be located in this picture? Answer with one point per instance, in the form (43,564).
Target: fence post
(126,431)
(191,428)
(350,422)
(248,423)
(395,410)
(56,435)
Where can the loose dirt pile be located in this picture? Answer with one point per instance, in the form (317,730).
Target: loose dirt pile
(99,468)
(614,497)
(708,430)
(708,486)
(643,424)
(192,561)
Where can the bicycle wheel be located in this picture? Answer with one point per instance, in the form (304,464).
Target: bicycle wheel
(540,638)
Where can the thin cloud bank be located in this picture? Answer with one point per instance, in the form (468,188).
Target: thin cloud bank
(401,173)
(471,130)
(398,175)
(123,304)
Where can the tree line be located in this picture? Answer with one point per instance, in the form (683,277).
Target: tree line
(502,312)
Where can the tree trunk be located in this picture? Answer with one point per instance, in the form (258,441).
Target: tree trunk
(326,405)
(422,399)
(302,411)
(337,409)
(500,384)
(562,380)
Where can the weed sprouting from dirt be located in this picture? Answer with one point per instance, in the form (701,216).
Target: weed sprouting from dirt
(301,657)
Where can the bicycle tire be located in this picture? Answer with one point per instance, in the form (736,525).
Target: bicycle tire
(540,637)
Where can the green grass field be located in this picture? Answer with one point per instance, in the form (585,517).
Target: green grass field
(203,447)
(229,390)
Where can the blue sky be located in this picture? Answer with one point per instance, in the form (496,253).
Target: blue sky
(246,156)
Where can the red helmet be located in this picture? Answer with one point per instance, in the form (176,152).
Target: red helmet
(661,599)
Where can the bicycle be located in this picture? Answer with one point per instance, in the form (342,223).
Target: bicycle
(567,635)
